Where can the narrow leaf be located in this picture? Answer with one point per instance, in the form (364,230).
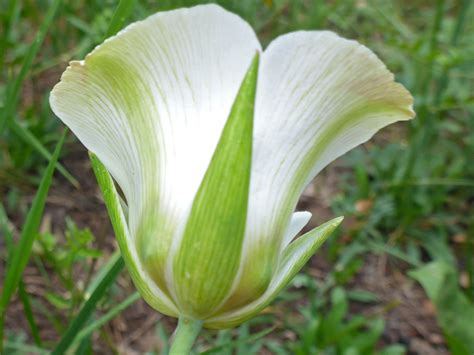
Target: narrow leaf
(108,316)
(122,12)
(88,308)
(25,135)
(6,232)
(25,300)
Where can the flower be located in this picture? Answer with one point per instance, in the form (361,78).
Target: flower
(212,140)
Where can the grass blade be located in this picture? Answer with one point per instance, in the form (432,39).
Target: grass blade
(122,12)
(25,299)
(25,348)
(9,246)
(108,316)
(102,272)
(21,254)
(25,135)
(13,89)
(85,347)
(5,231)
(89,307)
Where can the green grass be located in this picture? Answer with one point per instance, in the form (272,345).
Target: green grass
(20,253)
(415,180)
(78,322)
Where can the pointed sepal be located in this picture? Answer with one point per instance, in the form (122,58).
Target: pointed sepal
(292,260)
(208,257)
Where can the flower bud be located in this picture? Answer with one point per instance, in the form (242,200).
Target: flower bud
(212,140)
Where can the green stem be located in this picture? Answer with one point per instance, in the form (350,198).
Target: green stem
(185,335)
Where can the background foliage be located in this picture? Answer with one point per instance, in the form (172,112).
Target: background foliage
(409,194)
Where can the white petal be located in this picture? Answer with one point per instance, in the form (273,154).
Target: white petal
(152,293)
(318,96)
(297,223)
(151,103)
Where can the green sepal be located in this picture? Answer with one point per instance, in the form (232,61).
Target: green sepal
(294,257)
(208,258)
(148,290)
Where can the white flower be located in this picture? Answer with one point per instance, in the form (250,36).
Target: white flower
(213,240)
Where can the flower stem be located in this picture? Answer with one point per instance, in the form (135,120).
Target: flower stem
(185,334)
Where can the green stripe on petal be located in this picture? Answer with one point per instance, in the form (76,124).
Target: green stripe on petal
(147,288)
(294,257)
(319,96)
(257,281)
(208,258)
(151,103)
